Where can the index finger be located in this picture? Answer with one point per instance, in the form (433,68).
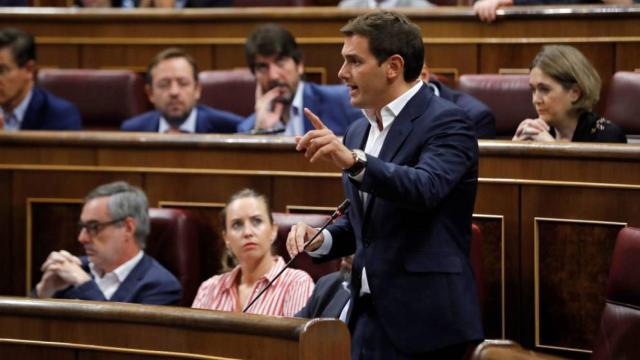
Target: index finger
(315,120)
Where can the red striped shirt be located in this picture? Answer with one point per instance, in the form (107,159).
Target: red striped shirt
(285,297)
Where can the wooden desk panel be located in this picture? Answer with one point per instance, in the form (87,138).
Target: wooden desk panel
(521,187)
(93,330)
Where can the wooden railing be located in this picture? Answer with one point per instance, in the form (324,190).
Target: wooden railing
(68,329)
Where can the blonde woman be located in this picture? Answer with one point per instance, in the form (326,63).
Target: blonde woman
(564,89)
(249,233)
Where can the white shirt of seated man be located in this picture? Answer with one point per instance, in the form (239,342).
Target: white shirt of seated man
(110,245)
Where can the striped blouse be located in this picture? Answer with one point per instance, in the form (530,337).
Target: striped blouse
(284,298)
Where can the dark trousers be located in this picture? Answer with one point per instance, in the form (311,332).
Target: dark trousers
(369,340)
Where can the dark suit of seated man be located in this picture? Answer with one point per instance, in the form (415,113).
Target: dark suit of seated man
(174,90)
(24,105)
(276,61)
(481,116)
(331,295)
(113,226)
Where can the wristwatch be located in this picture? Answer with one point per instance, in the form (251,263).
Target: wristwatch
(360,159)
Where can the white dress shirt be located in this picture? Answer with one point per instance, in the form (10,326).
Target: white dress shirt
(373,146)
(188,126)
(13,123)
(109,282)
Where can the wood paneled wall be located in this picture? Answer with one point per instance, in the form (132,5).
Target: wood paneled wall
(549,212)
(456,41)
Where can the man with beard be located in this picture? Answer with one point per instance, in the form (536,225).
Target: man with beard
(113,226)
(174,90)
(330,297)
(276,61)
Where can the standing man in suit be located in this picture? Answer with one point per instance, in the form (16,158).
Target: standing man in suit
(410,169)
(25,106)
(173,88)
(481,116)
(113,227)
(276,61)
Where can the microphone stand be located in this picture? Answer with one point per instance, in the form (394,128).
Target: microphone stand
(339,211)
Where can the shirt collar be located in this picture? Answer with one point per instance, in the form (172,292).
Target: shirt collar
(122,271)
(433,87)
(21,109)
(231,279)
(392,109)
(295,126)
(188,126)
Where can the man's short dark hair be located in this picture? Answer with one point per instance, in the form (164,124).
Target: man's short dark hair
(21,43)
(171,53)
(270,40)
(390,33)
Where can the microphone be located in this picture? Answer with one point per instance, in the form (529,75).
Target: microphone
(267,132)
(339,211)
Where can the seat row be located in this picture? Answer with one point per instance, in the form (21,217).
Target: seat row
(107,97)
(188,246)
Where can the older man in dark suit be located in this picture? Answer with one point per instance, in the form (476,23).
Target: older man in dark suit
(410,169)
(24,105)
(113,226)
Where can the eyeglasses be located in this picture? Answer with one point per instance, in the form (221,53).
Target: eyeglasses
(95,227)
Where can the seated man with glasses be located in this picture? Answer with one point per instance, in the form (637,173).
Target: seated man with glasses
(113,226)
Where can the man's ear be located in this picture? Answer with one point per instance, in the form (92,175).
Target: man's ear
(300,67)
(395,67)
(30,66)
(149,91)
(130,225)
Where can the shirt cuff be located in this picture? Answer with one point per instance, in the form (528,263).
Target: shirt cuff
(325,247)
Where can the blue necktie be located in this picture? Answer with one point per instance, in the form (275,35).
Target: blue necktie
(11,122)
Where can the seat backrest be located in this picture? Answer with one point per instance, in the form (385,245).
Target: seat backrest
(508,96)
(302,261)
(620,320)
(506,349)
(174,242)
(622,101)
(249,3)
(230,90)
(477,262)
(104,97)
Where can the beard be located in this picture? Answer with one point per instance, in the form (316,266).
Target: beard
(285,99)
(176,121)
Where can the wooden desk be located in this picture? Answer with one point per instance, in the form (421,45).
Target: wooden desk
(549,213)
(67,329)
(456,41)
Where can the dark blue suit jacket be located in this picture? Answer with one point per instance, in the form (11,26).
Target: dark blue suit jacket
(328,298)
(481,116)
(414,235)
(148,283)
(209,120)
(49,112)
(331,103)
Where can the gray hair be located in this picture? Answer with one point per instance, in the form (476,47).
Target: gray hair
(126,201)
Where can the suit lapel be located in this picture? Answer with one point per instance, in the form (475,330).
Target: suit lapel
(31,117)
(398,133)
(356,140)
(126,289)
(403,124)
(308,101)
